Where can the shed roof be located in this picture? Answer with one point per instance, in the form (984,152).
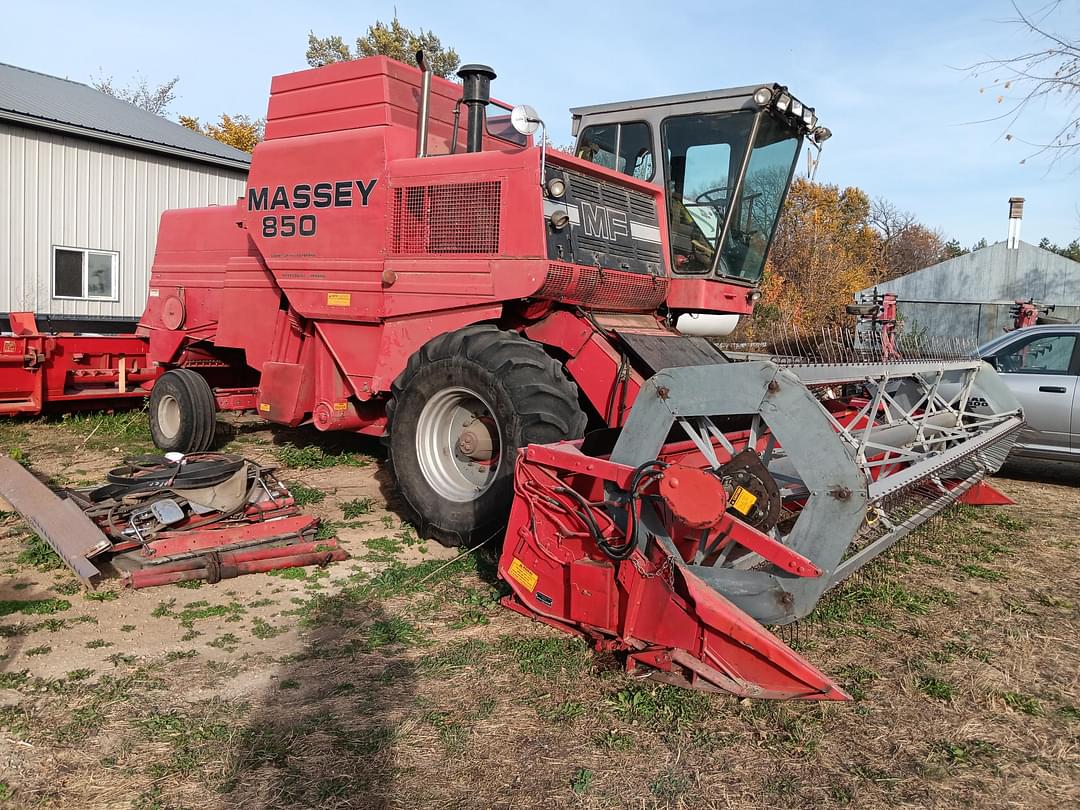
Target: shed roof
(994,273)
(39,100)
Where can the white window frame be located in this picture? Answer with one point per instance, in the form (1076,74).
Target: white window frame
(115,254)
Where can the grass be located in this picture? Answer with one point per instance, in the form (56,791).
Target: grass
(934,687)
(260,628)
(314,457)
(1022,703)
(39,554)
(102,596)
(963,753)
(129,430)
(305,495)
(33,606)
(357,507)
(44,649)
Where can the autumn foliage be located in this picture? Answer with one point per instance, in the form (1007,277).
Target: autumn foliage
(829,244)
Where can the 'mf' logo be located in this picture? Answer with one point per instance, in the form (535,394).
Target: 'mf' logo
(604,223)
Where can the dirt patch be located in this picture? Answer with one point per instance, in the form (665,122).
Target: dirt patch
(396,680)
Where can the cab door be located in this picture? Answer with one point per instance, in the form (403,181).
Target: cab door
(1041,369)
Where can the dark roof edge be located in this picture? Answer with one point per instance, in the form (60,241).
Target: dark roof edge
(122,140)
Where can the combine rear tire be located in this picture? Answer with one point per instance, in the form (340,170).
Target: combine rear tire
(183,413)
(460,411)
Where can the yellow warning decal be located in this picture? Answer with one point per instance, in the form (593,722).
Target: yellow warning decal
(264,407)
(338,299)
(341,406)
(743,501)
(522,574)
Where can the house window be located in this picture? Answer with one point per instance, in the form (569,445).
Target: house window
(89,274)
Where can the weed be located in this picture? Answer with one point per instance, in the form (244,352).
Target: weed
(121,658)
(452,734)
(387,522)
(102,596)
(227,642)
(457,655)
(289,683)
(7,792)
(669,786)
(44,649)
(394,630)
(13,680)
(305,496)
(1069,712)
(966,752)
(39,554)
(934,687)
(548,657)
(581,781)
(289,573)
(357,507)
(1009,522)
(856,677)
(312,457)
(191,584)
(126,628)
(196,611)
(566,712)
(663,706)
(981,572)
(33,606)
(181,655)
(79,674)
(1022,703)
(260,628)
(163,609)
(615,741)
(97,644)
(67,587)
(128,429)
(384,545)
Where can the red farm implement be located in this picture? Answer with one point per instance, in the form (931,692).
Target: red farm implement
(40,372)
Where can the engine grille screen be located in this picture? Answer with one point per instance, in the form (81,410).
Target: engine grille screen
(448,218)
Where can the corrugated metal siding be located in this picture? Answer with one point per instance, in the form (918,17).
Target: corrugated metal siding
(969,296)
(57,190)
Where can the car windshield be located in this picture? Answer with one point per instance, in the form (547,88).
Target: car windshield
(705,154)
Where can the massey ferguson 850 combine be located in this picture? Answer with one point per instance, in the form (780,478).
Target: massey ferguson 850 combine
(407,263)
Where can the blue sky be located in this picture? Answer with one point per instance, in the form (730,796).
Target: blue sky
(884,77)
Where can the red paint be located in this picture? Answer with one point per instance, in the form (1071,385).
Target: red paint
(659,613)
(47,372)
(982,494)
(318,306)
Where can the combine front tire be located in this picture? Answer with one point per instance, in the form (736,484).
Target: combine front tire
(460,411)
(183,413)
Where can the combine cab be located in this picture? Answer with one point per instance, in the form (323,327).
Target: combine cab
(529,327)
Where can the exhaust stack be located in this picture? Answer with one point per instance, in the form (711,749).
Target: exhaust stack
(476,93)
(425,101)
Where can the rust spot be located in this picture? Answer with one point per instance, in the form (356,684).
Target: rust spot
(841,493)
(773,386)
(663,391)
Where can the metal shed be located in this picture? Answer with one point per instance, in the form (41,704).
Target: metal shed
(84,178)
(969,296)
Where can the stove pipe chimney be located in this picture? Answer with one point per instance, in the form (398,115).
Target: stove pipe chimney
(1016,216)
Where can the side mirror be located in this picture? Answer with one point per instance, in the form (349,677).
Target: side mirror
(525,119)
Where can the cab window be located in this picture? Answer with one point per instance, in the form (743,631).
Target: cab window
(626,148)
(1041,354)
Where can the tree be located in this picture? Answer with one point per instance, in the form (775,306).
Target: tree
(238,131)
(1049,72)
(953,248)
(393,40)
(906,244)
(1069,251)
(825,250)
(140,93)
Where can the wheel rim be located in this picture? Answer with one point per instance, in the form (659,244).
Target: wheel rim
(457,444)
(168,415)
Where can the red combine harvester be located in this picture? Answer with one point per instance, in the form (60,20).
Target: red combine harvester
(481,302)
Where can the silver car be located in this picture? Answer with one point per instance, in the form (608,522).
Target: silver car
(1041,365)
